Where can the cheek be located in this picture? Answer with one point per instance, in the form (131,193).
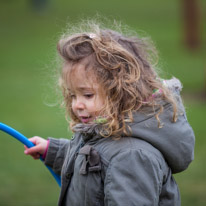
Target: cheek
(73,105)
(99,104)
(91,105)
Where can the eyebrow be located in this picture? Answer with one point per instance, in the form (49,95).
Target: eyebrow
(83,89)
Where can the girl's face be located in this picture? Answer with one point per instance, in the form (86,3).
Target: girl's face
(86,97)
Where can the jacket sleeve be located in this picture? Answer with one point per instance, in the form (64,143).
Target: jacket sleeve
(56,153)
(133,177)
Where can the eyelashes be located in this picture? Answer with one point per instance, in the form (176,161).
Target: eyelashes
(89,96)
(86,95)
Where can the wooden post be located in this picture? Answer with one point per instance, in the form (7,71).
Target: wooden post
(191,17)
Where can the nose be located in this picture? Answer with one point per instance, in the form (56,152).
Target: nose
(78,104)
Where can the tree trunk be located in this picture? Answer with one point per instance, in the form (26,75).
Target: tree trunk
(191,17)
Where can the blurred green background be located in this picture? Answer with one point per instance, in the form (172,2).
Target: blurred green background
(29,102)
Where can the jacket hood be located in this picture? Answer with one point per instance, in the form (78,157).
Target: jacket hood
(174,140)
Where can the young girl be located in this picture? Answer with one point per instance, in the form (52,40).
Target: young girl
(130,128)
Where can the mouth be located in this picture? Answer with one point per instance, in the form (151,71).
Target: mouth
(85,119)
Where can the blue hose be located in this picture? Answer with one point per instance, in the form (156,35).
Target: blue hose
(28,143)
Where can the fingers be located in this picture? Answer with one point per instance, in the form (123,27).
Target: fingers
(35,139)
(36,156)
(37,150)
(33,150)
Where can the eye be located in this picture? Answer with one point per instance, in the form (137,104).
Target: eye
(72,96)
(89,95)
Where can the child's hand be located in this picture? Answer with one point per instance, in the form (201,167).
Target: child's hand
(38,149)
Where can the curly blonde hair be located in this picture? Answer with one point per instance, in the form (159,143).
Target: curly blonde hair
(123,66)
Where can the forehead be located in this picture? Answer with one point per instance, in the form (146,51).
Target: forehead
(79,76)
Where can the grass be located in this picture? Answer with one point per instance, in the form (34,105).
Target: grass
(28,44)
(192,182)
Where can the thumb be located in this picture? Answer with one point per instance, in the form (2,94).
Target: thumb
(34,150)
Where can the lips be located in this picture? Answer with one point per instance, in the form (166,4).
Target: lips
(85,119)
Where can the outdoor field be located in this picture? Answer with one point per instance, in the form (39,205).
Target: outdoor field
(30,99)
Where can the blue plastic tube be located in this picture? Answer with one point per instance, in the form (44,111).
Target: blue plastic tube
(28,143)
